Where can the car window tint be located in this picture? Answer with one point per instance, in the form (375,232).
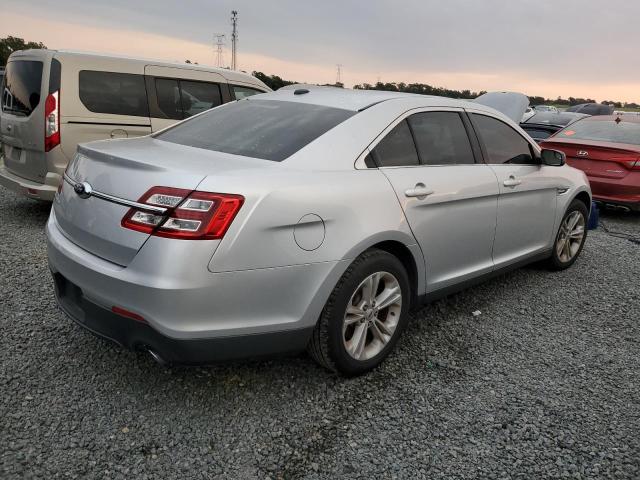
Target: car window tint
(244,92)
(538,134)
(21,87)
(397,149)
(114,93)
(441,138)
(503,144)
(199,96)
(168,95)
(266,129)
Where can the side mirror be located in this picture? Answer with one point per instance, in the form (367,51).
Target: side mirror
(553,158)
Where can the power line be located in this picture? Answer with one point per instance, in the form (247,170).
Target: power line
(234,39)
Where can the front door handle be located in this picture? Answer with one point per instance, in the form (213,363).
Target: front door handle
(420,191)
(512,182)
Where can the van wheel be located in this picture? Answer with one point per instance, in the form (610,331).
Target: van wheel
(364,316)
(570,237)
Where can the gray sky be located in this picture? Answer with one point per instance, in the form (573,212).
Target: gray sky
(545,47)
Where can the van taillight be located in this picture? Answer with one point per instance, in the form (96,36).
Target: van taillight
(52,121)
(190,215)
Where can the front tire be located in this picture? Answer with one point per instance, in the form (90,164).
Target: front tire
(571,236)
(364,316)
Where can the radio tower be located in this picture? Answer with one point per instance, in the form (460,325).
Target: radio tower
(339,74)
(219,44)
(234,39)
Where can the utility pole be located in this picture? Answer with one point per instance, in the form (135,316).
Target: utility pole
(219,44)
(339,74)
(234,39)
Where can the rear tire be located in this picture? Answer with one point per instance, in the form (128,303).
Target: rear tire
(570,238)
(364,316)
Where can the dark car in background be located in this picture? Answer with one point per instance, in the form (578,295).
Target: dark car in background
(592,109)
(607,150)
(543,125)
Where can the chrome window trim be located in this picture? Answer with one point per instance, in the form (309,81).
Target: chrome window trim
(359,163)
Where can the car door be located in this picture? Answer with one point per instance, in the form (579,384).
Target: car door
(528,190)
(448,198)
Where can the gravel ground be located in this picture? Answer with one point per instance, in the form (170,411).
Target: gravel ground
(545,383)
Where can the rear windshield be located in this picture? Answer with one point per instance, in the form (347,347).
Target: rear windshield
(21,87)
(537,134)
(603,131)
(266,129)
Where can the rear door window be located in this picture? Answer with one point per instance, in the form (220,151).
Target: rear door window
(114,93)
(502,143)
(266,129)
(397,148)
(244,92)
(168,93)
(199,96)
(441,138)
(21,87)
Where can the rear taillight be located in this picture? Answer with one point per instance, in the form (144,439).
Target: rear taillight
(632,164)
(52,121)
(189,216)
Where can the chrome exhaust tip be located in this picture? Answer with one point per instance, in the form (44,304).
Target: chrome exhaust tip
(155,356)
(620,208)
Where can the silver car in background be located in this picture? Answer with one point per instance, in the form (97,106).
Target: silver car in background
(304,218)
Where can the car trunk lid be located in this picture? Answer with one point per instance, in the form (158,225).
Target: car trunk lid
(125,170)
(599,159)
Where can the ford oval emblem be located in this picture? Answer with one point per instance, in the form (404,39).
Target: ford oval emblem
(83,190)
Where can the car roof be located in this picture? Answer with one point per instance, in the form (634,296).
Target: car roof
(358,100)
(230,75)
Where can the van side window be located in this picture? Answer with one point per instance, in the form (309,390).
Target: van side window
(244,92)
(168,94)
(199,96)
(114,93)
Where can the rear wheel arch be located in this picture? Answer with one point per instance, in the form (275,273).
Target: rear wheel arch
(402,253)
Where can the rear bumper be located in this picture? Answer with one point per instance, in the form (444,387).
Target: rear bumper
(29,188)
(136,335)
(625,191)
(192,315)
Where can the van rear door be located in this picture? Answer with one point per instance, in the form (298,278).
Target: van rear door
(179,93)
(22,125)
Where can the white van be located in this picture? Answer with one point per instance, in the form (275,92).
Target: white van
(52,100)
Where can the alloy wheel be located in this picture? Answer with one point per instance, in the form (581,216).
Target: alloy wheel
(372,315)
(571,236)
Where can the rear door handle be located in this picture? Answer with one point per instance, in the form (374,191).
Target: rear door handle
(512,182)
(420,191)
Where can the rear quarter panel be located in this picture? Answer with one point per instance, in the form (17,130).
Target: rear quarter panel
(357,209)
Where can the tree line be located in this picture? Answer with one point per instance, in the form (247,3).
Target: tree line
(10,44)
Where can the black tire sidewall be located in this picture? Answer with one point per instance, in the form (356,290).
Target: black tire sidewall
(576,205)
(380,262)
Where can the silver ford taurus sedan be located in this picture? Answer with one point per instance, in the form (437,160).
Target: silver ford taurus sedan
(304,218)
